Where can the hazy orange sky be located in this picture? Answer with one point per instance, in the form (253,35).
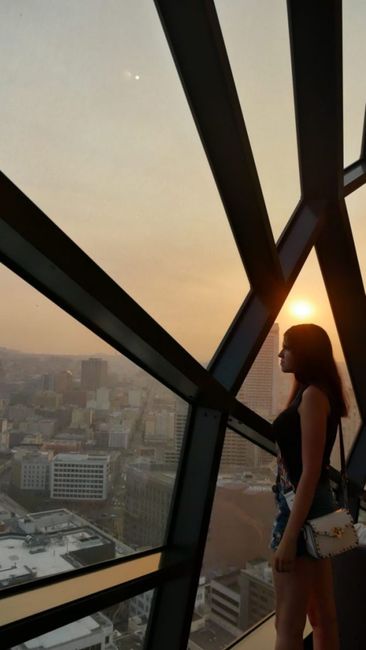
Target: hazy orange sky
(96,130)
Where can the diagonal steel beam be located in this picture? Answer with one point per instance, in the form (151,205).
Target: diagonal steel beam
(363,143)
(342,276)
(343,280)
(248,331)
(316,44)
(354,176)
(37,250)
(44,256)
(194,35)
(316,51)
(259,439)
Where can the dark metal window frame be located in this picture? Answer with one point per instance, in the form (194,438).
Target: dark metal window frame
(38,251)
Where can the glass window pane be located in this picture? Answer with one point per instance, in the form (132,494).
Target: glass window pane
(89,443)
(119,627)
(257,41)
(236,573)
(308,302)
(356,207)
(266,389)
(96,130)
(354,83)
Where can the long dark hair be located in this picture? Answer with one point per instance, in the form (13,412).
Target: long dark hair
(314,363)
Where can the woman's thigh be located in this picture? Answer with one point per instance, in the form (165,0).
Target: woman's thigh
(321,608)
(292,591)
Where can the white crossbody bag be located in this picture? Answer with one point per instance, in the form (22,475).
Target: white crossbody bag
(334,533)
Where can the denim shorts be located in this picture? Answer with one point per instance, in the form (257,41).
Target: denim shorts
(323,504)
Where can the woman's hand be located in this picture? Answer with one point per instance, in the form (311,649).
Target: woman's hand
(284,557)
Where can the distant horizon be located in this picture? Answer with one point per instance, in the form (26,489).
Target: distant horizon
(64,354)
(113,157)
(91,355)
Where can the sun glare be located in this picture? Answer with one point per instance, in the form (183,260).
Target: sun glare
(301,309)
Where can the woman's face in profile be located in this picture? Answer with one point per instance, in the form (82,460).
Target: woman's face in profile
(287,361)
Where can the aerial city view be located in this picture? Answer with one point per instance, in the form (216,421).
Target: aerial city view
(100,147)
(89,454)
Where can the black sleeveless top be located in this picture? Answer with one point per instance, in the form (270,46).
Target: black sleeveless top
(287,433)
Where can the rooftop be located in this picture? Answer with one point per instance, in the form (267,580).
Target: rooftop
(39,544)
(212,636)
(72,632)
(78,458)
(26,557)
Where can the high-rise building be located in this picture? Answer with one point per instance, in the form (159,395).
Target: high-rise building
(63,381)
(135,397)
(30,471)
(119,435)
(171,453)
(47,399)
(79,477)
(149,489)
(81,418)
(93,373)
(48,382)
(181,413)
(2,372)
(260,388)
(237,451)
(159,427)
(4,433)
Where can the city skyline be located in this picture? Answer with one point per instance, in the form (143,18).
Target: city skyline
(111,154)
(88,461)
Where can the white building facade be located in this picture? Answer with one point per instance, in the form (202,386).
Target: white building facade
(79,477)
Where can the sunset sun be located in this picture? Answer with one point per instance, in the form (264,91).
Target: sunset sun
(301,309)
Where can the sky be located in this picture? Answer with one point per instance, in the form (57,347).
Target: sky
(96,130)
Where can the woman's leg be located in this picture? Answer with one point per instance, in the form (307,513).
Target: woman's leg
(292,591)
(321,608)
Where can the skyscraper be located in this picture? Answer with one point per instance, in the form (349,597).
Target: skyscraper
(260,388)
(93,373)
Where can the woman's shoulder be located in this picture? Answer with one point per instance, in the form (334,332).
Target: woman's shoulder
(315,396)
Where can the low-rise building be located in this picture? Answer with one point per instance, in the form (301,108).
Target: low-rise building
(240,599)
(257,592)
(30,471)
(41,544)
(90,633)
(149,489)
(79,477)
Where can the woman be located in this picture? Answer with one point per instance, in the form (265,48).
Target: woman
(305,433)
